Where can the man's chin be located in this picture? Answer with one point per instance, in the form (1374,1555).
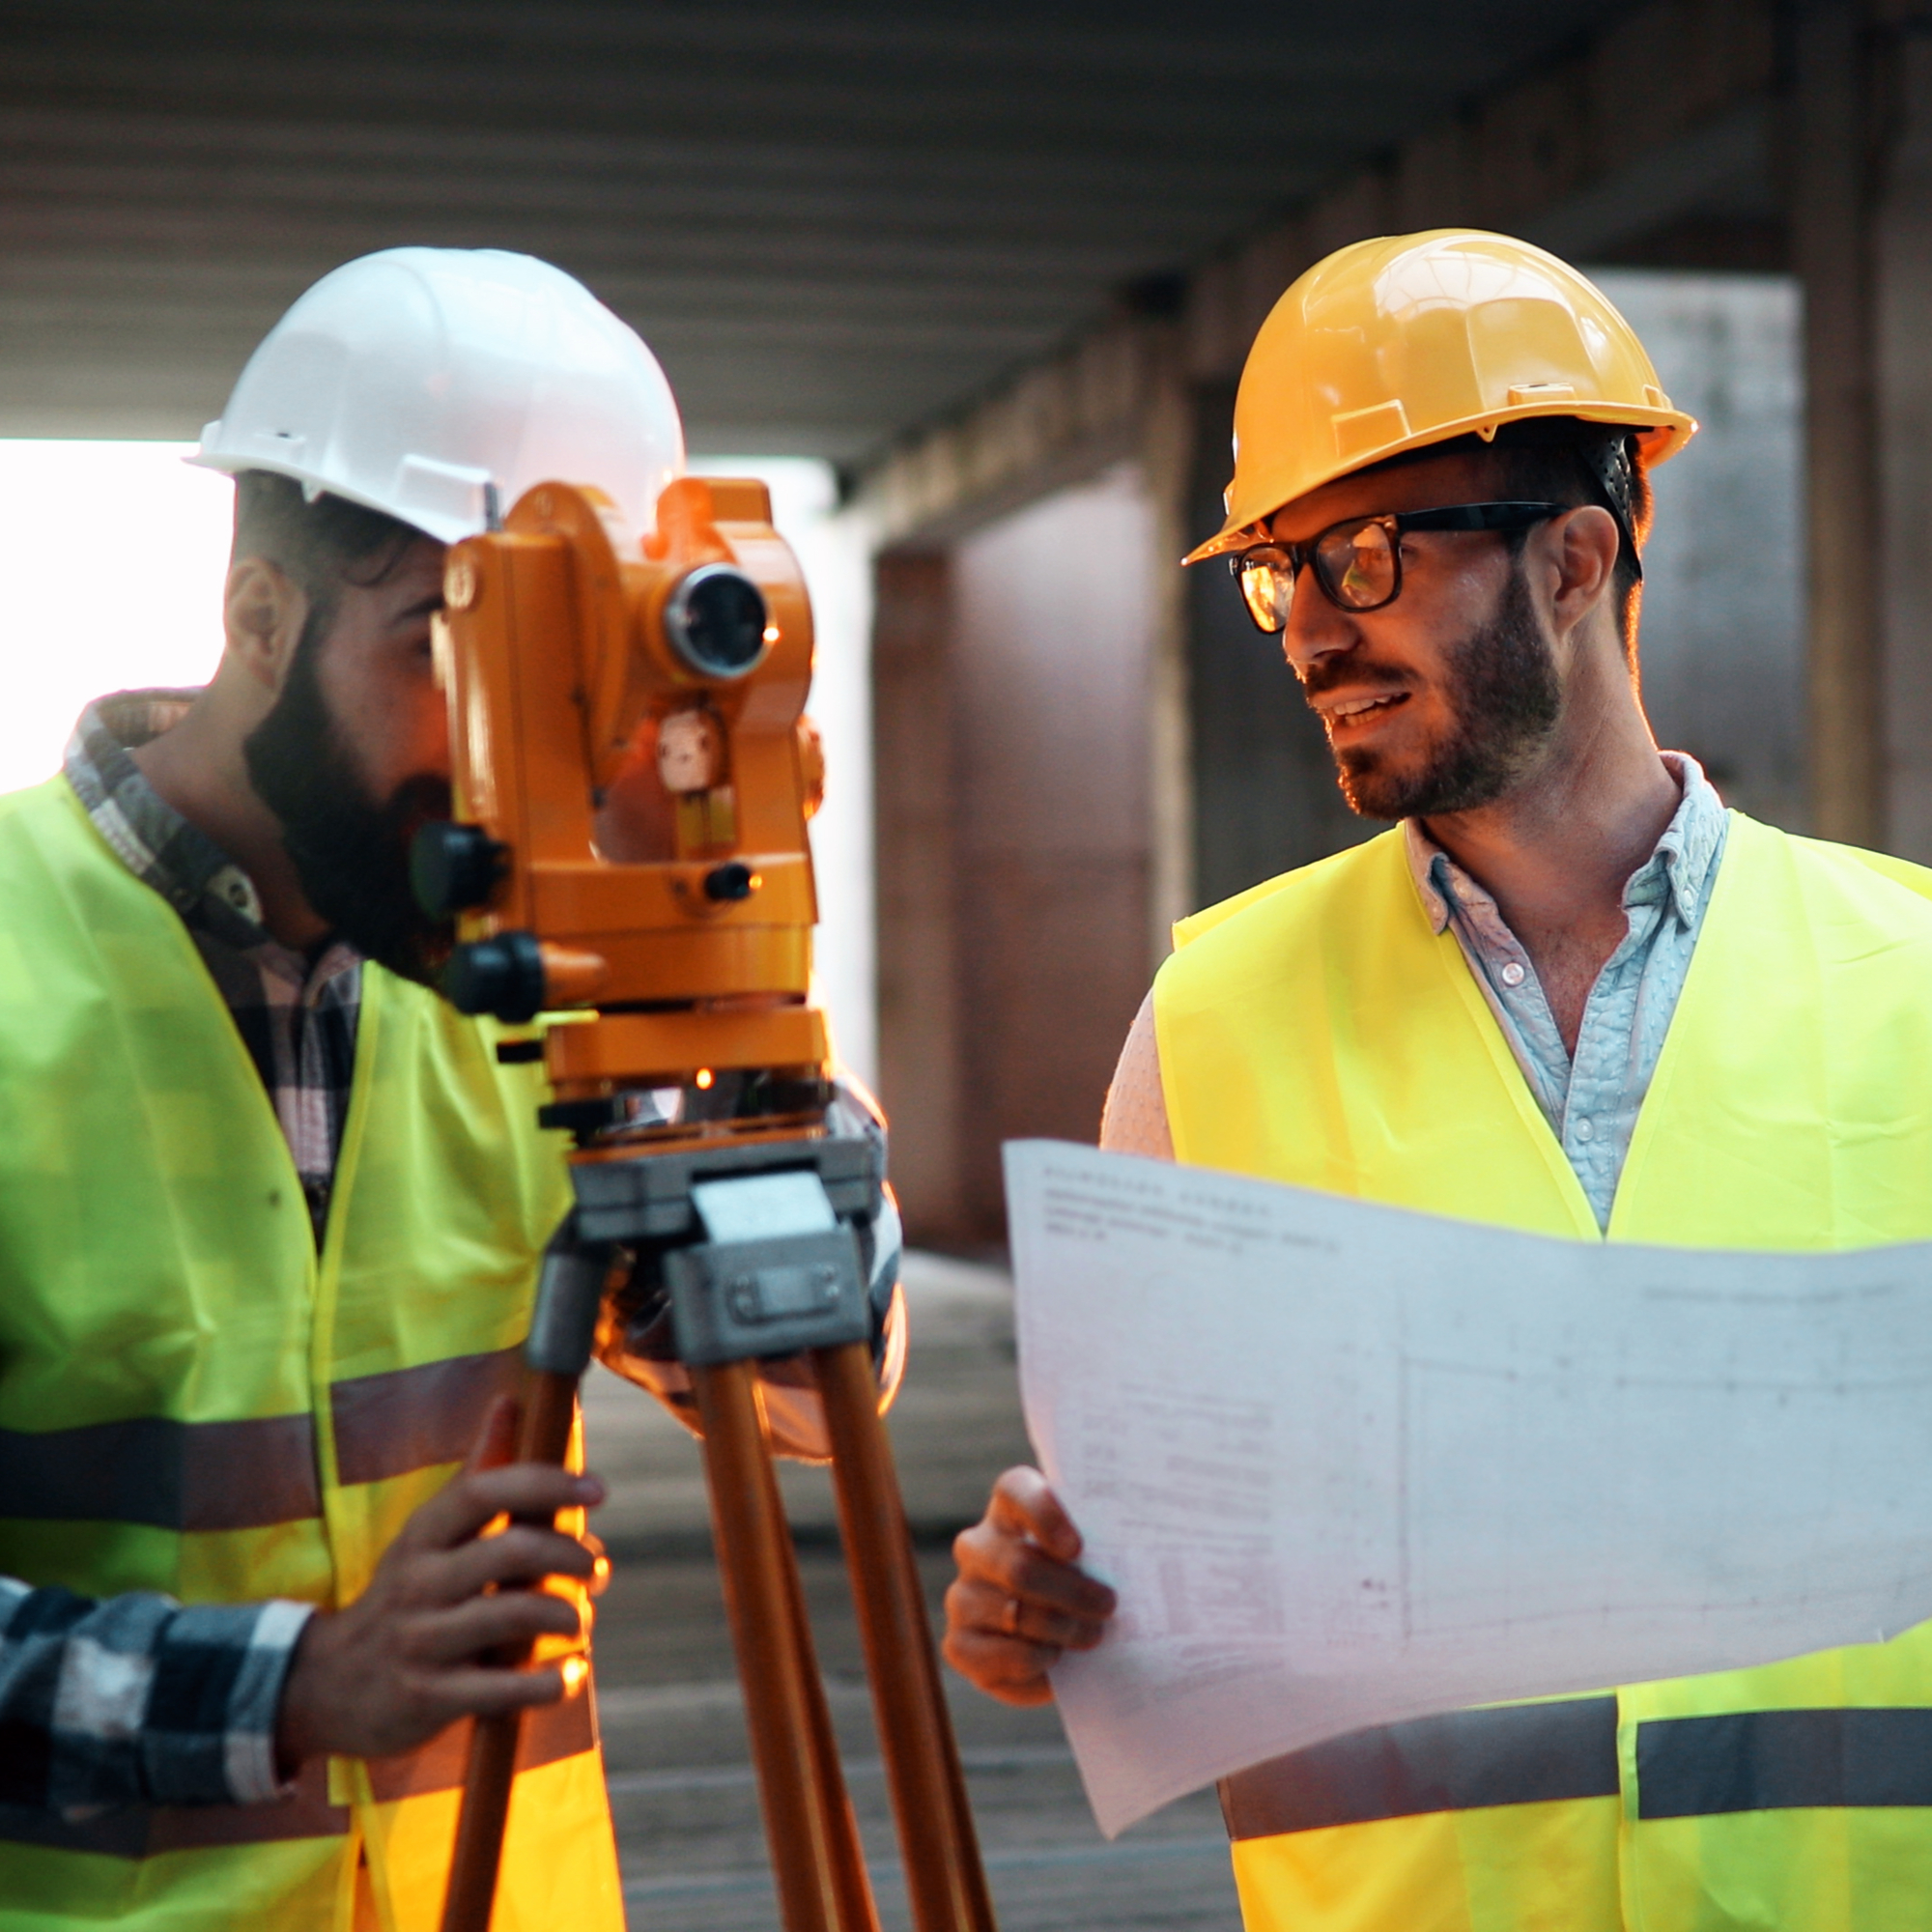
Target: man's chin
(1372,789)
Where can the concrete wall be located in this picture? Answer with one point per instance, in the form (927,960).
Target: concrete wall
(1014,837)
(833,548)
(1265,793)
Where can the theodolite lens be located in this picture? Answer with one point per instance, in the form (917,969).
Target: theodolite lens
(716,621)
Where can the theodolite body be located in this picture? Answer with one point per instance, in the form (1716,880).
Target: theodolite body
(631,819)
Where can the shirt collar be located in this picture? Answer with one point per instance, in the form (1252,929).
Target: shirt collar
(150,837)
(1679,866)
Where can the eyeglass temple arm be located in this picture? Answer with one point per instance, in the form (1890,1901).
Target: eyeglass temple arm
(1477,517)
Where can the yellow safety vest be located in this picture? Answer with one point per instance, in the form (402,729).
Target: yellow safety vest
(1317,1031)
(192,1401)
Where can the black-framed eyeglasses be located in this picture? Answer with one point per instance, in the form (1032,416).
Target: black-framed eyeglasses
(1359,561)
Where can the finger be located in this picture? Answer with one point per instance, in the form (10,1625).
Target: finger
(479,1497)
(521,1555)
(1018,1569)
(1015,1674)
(517,1617)
(478,1693)
(1023,1501)
(977,1606)
(497,1441)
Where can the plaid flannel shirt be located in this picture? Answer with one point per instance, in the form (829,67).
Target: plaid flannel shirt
(135,1699)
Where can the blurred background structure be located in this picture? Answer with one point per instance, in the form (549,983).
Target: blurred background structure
(986,274)
(972,283)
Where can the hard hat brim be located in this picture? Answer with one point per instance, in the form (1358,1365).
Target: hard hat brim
(444,529)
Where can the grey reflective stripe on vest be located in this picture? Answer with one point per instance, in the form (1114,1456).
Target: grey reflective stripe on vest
(1779,1760)
(553,1732)
(246,1475)
(407,1419)
(1518,1755)
(169,1475)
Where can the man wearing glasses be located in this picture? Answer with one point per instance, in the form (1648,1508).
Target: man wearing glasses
(1566,992)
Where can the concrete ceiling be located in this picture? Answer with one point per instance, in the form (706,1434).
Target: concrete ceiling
(831,220)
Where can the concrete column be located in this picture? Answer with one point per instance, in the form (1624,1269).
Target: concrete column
(1860,180)
(1167,469)
(1831,195)
(916,805)
(1902,385)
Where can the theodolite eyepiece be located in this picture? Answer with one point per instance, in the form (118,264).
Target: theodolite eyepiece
(453,868)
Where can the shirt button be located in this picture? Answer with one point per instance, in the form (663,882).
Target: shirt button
(1584,1129)
(1513,974)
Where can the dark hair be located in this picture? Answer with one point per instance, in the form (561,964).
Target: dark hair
(1562,460)
(319,546)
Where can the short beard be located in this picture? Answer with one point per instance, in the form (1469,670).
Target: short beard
(351,853)
(1506,699)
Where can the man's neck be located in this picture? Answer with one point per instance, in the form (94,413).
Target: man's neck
(198,768)
(1556,852)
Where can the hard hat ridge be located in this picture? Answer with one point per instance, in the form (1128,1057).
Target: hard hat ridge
(423,381)
(1389,347)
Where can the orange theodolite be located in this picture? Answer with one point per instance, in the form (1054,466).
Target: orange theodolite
(633,774)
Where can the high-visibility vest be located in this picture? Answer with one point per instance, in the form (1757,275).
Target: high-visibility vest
(1317,1031)
(192,1401)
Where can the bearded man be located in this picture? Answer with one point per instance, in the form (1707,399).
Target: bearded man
(271,1211)
(1567,992)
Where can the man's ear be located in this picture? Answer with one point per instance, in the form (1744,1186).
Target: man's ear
(1583,545)
(262,618)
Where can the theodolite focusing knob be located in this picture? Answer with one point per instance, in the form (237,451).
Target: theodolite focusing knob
(503,977)
(716,621)
(453,868)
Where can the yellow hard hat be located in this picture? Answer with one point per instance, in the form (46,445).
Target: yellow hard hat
(1411,339)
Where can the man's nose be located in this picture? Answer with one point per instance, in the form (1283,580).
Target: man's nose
(1315,630)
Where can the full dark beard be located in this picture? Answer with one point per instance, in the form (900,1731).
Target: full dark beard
(351,853)
(1506,699)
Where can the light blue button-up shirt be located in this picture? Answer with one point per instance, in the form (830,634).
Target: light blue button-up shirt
(1591,1101)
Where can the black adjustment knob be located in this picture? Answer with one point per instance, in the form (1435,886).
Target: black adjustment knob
(503,977)
(453,868)
(730,881)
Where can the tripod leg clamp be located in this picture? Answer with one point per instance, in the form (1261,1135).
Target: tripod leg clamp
(569,1290)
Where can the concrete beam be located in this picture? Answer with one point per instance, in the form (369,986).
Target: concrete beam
(1614,142)
(1055,422)
(1665,108)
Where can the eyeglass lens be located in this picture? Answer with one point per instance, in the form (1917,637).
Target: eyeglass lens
(1267,587)
(1356,564)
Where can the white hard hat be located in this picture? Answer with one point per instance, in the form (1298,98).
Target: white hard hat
(411,379)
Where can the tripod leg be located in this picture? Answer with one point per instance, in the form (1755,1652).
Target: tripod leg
(816,1861)
(945,1880)
(857,1909)
(550,1403)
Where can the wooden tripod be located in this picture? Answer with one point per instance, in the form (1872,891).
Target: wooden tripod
(817,1864)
